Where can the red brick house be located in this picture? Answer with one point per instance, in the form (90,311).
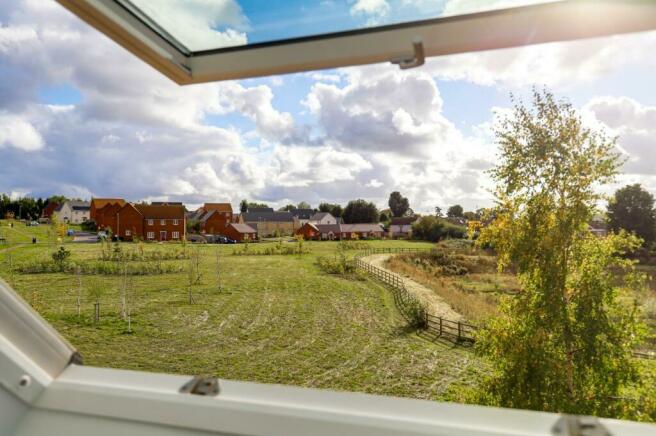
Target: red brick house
(106,217)
(49,209)
(308,231)
(240,232)
(161,222)
(99,203)
(214,217)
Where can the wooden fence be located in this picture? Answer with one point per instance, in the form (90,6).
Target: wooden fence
(407,303)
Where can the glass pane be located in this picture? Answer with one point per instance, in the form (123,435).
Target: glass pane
(203,24)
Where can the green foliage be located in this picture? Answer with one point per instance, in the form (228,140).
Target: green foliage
(434,229)
(89,226)
(437,261)
(335,210)
(454,211)
(398,204)
(632,209)
(564,343)
(60,258)
(245,205)
(353,245)
(337,264)
(277,249)
(360,211)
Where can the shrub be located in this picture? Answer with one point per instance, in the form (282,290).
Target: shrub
(434,229)
(415,313)
(60,258)
(437,261)
(353,245)
(337,264)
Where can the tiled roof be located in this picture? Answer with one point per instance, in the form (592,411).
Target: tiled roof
(319,216)
(243,228)
(403,220)
(254,217)
(328,228)
(303,214)
(79,205)
(362,228)
(221,207)
(161,212)
(259,209)
(99,203)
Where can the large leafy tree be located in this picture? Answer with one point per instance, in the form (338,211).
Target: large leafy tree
(564,343)
(398,204)
(632,209)
(454,211)
(360,211)
(335,210)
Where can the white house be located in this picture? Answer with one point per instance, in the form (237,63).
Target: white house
(323,218)
(74,212)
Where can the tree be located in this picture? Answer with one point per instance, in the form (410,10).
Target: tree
(287,208)
(632,209)
(335,210)
(438,212)
(304,205)
(384,217)
(470,216)
(244,205)
(454,211)
(360,211)
(398,204)
(565,342)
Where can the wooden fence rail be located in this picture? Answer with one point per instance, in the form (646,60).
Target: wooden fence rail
(444,328)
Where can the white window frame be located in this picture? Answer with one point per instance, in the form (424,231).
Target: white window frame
(151,222)
(496,29)
(128,232)
(162,222)
(150,235)
(175,222)
(175,235)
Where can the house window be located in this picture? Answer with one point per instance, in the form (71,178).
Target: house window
(175,223)
(128,233)
(151,235)
(162,222)
(176,235)
(150,223)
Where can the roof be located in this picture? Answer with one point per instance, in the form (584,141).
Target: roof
(252,217)
(303,214)
(370,227)
(99,203)
(242,228)
(150,211)
(221,207)
(166,203)
(403,220)
(79,205)
(319,216)
(259,209)
(110,208)
(328,228)
(49,209)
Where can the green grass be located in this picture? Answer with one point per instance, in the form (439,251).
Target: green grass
(278,319)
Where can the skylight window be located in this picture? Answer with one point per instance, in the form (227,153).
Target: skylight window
(199,41)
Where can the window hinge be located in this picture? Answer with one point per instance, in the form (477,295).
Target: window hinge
(570,425)
(416,59)
(206,386)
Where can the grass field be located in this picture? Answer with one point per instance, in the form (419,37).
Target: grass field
(277,319)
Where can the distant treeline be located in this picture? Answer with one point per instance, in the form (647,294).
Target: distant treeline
(26,207)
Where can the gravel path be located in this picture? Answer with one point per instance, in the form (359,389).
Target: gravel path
(434,303)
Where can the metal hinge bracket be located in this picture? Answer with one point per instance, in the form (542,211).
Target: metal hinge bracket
(206,386)
(414,60)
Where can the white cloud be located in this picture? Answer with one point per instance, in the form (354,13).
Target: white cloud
(375,10)
(459,7)
(197,23)
(18,133)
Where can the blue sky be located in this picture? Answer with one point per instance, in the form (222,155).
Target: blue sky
(82,117)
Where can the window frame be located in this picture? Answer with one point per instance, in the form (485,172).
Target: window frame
(489,30)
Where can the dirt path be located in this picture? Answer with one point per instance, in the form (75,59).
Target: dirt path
(434,303)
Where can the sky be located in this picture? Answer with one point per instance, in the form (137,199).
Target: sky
(82,117)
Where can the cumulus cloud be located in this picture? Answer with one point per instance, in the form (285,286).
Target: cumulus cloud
(19,133)
(374,10)
(199,24)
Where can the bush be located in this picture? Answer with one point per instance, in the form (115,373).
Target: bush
(434,229)
(415,313)
(60,258)
(337,264)
(437,261)
(353,245)
(89,226)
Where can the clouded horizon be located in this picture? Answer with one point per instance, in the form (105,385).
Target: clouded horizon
(80,116)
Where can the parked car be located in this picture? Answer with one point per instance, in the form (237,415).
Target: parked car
(193,238)
(102,235)
(31,223)
(224,240)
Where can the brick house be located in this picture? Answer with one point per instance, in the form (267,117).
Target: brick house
(215,217)
(268,222)
(99,203)
(340,231)
(163,223)
(49,209)
(105,217)
(159,222)
(401,227)
(240,232)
